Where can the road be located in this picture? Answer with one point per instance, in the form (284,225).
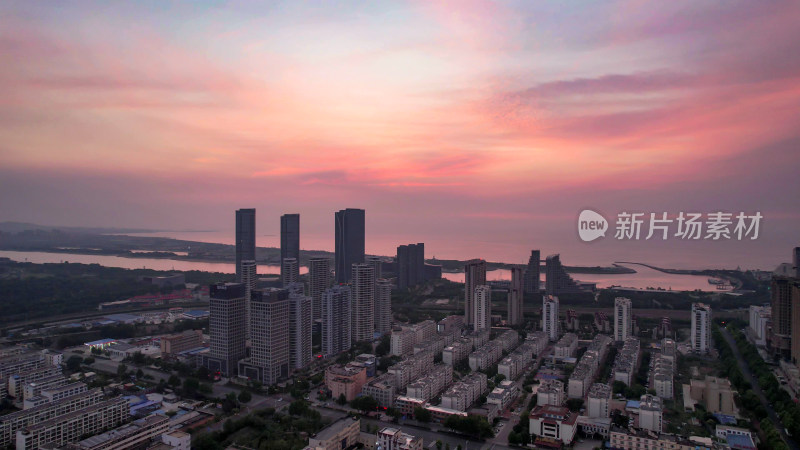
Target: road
(757,389)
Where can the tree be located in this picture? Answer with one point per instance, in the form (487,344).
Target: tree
(191,385)
(88,360)
(139,374)
(499,378)
(245,397)
(298,407)
(422,415)
(74,363)
(364,404)
(439,444)
(122,370)
(575,404)
(341,400)
(174,381)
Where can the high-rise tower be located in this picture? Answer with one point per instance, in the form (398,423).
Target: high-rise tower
(515,297)
(363,304)
(245,238)
(350,236)
(290,239)
(474,276)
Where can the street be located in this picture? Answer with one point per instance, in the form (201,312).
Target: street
(757,389)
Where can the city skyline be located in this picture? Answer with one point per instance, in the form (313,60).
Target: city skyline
(490,123)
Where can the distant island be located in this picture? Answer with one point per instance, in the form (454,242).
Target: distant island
(115,242)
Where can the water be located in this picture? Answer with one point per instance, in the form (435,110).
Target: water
(642,279)
(135,263)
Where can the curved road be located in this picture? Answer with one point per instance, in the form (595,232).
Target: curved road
(757,389)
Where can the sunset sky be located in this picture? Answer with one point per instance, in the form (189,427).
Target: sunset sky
(479,128)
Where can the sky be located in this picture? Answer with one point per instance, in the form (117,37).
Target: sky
(480,128)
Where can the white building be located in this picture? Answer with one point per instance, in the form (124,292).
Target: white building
(394,439)
(622,318)
(701,328)
(290,269)
(554,422)
(759,319)
(482,308)
(250,281)
(550,316)
(566,346)
(598,400)
(363,302)
(551,392)
(650,413)
(300,323)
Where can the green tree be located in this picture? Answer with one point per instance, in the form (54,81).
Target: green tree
(174,381)
(74,363)
(422,414)
(245,396)
(122,371)
(342,400)
(364,404)
(88,360)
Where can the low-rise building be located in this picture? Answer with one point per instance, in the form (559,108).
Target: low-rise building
(553,425)
(486,356)
(538,341)
(508,340)
(11,423)
(431,385)
(344,433)
(551,392)
(382,389)
(714,393)
(598,400)
(133,435)
(627,360)
(394,439)
(71,427)
(410,369)
(566,346)
(176,343)
(462,394)
(456,352)
(503,395)
(345,380)
(651,413)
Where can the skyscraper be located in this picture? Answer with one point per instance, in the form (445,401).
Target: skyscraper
(701,328)
(363,304)
(350,235)
(557,280)
(299,330)
(781,292)
(474,276)
(250,281)
(290,271)
(515,297)
(550,316)
(482,308)
(290,239)
(622,319)
(383,306)
(227,328)
(796,261)
(377,263)
(410,265)
(269,340)
(532,273)
(245,238)
(319,279)
(336,320)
